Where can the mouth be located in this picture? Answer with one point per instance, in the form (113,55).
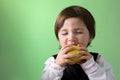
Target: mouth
(74,44)
(78,44)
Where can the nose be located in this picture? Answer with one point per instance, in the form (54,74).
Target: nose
(72,39)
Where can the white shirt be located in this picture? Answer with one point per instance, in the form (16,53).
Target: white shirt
(99,70)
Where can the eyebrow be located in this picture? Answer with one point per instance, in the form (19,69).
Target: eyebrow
(63,29)
(76,28)
(79,29)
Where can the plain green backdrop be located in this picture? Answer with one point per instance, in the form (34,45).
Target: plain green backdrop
(27,34)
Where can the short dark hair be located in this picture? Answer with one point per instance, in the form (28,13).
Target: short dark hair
(78,12)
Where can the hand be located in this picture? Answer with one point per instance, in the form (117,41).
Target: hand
(86,55)
(63,58)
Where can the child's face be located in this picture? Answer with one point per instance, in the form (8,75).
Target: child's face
(74,32)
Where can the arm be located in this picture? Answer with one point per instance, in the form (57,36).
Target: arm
(52,71)
(99,70)
(54,67)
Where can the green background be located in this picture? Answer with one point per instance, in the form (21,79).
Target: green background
(27,34)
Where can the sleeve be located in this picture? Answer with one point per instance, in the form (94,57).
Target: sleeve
(52,71)
(99,70)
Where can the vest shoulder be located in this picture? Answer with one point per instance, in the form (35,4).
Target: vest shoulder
(95,55)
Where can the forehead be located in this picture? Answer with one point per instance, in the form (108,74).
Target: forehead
(73,23)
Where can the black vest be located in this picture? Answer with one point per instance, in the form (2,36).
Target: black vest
(75,72)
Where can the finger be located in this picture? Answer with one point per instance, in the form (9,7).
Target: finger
(68,56)
(67,49)
(68,61)
(83,49)
(85,58)
(82,59)
(66,46)
(86,53)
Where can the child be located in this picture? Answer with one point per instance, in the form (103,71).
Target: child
(75,26)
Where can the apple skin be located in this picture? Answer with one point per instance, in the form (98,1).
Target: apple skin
(75,51)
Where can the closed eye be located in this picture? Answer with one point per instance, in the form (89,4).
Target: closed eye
(64,33)
(79,32)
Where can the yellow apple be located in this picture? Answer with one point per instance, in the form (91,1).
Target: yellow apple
(75,51)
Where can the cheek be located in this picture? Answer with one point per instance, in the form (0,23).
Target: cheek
(62,41)
(83,40)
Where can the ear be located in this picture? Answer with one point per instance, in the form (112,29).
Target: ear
(90,40)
